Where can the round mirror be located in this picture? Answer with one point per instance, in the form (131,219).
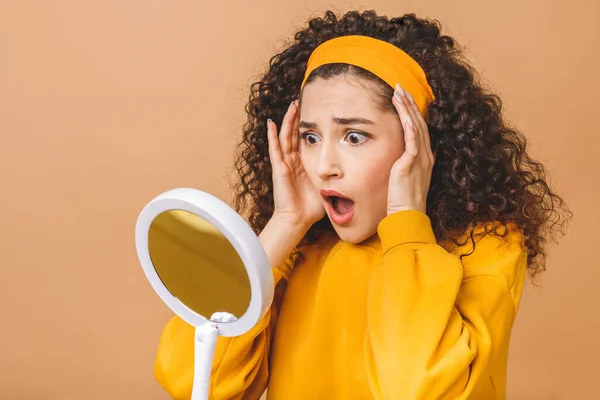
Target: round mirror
(202,258)
(197,264)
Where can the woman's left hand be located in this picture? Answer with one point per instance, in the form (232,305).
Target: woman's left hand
(410,176)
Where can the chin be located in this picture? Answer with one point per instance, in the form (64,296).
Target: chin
(352,235)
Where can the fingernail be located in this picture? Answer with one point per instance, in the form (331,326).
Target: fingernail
(269,121)
(291,104)
(399,89)
(397,96)
(410,98)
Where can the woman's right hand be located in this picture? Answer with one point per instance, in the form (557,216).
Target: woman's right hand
(296,199)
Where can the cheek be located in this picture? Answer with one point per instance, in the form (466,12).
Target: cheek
(374,179)
(308,163)
(305,160)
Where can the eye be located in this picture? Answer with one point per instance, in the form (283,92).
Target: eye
(306,135)
(354,137)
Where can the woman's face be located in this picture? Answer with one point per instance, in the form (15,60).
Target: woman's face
(349,145)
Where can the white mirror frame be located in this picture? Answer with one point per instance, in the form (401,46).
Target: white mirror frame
(239,234)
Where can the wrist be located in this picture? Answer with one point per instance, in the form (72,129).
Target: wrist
(279,238)
(293,226)
(394,210)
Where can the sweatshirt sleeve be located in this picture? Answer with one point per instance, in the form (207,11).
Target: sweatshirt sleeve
(240,365)
(436,325)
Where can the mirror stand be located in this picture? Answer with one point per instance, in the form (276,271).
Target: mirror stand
(205,341)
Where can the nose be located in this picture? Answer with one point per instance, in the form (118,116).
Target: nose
(328,164)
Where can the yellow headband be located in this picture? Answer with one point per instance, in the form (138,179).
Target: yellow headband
(383,59)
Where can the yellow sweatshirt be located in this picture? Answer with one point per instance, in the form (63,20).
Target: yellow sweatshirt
(395,317)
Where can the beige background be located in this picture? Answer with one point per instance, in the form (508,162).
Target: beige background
(105,104)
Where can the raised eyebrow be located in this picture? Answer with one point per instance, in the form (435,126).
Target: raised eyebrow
(341,121)
(353,121)
(307,125)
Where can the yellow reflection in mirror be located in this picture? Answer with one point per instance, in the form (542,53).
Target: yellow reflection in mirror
(197,264)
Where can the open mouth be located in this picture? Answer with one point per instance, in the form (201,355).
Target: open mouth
(341,205)
(341,210)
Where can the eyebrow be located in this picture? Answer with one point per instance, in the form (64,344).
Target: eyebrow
(341,121)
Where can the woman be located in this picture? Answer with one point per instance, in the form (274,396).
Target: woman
(400,214)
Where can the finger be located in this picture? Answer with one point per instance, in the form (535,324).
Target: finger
(285,138)
(405,118)
(415,115)
(411,152)
(415,112)
(427,138)
(412,144)
(294,132)
(274,149)
(411,149)
(424,130)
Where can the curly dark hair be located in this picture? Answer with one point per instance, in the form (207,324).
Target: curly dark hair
(482,173)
